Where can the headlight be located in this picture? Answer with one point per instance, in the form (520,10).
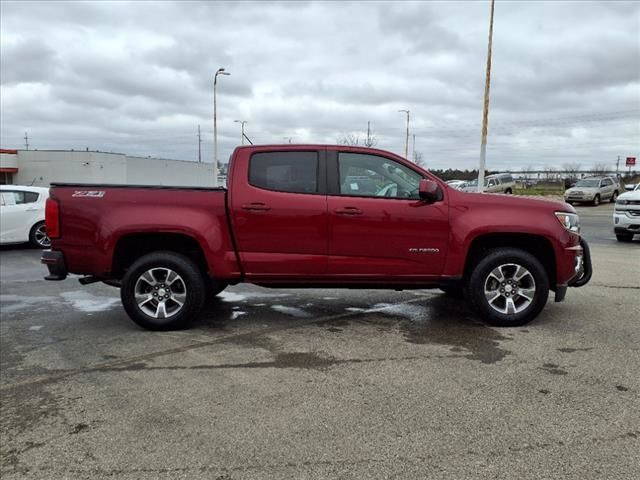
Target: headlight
(622,202)
(570,221)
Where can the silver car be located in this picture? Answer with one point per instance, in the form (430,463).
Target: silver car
(593,190)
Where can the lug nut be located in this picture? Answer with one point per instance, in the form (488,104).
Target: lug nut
(155,294)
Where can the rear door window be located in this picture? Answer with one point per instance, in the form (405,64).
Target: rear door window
(293,172)
(19,197)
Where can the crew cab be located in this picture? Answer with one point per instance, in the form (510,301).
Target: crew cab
(314,216)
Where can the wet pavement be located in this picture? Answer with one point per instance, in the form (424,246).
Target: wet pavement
(321,383)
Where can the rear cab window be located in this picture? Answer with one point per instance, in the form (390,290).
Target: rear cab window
(292,172)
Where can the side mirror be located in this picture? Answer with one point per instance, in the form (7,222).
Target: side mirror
(429,190)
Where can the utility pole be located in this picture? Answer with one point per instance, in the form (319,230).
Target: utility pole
(618,167)
(199,146)
(406,143)
(26,140)
(485,110)
(242,123)
(368,134)
(414,148)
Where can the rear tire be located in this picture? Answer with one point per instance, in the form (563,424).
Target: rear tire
(614,197)
(163,291)
(624,237)
(508,191)
(509,287)
(596,200)
(38,236)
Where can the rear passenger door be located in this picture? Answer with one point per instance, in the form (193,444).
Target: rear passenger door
(279,211)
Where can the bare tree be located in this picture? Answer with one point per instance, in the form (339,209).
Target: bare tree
(550,173)
(419,160)
(348,139)
(600,168)
(370,141)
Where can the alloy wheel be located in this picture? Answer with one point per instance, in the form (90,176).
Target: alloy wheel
(160,292)
(509,288)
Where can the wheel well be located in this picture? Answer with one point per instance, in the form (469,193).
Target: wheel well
(131,247)
(537,246)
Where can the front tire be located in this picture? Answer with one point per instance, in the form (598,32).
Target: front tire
(38,236)
(163,291)
(596,200)
(509,287)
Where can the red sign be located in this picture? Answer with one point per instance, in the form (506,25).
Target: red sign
(631,161)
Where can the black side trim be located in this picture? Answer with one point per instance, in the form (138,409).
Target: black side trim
(561,291)
(584,276)
(333,176)
(151,187)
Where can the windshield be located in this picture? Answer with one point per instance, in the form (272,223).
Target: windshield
(588,183)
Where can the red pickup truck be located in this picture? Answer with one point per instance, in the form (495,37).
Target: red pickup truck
(314,216)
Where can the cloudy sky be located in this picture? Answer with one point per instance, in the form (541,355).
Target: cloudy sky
(137,77)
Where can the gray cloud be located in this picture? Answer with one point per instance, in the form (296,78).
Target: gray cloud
(137,76)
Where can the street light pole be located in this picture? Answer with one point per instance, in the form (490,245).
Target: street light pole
(241,122)
(485,110)
(220,71)
(406,143)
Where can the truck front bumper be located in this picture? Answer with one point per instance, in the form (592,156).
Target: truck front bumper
(55,263)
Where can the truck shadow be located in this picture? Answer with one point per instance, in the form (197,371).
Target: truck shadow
(435,320)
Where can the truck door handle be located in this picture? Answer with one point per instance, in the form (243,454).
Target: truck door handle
(348,211)
(256,207)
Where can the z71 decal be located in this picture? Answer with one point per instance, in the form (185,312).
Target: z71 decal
(88,193)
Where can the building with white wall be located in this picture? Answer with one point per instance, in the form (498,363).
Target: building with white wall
(43,167)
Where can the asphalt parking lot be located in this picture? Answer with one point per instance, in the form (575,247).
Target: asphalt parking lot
(322,383)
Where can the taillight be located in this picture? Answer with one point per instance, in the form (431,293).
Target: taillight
(52,217)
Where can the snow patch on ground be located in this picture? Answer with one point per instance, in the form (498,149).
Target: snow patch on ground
(35,328)
(86,302)
(231,297)
(293,311)
(415,313)
(241,297)
(237,313)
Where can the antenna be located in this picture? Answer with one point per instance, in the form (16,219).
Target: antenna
(26,140)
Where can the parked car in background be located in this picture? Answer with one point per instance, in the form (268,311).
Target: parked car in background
(22,215)
(630,187)
(626,216)
(593,190)
(499,183)
(456,183)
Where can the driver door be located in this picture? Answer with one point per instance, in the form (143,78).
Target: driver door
(379,228)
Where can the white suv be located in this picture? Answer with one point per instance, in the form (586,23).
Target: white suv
(626,216)
(22,215)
